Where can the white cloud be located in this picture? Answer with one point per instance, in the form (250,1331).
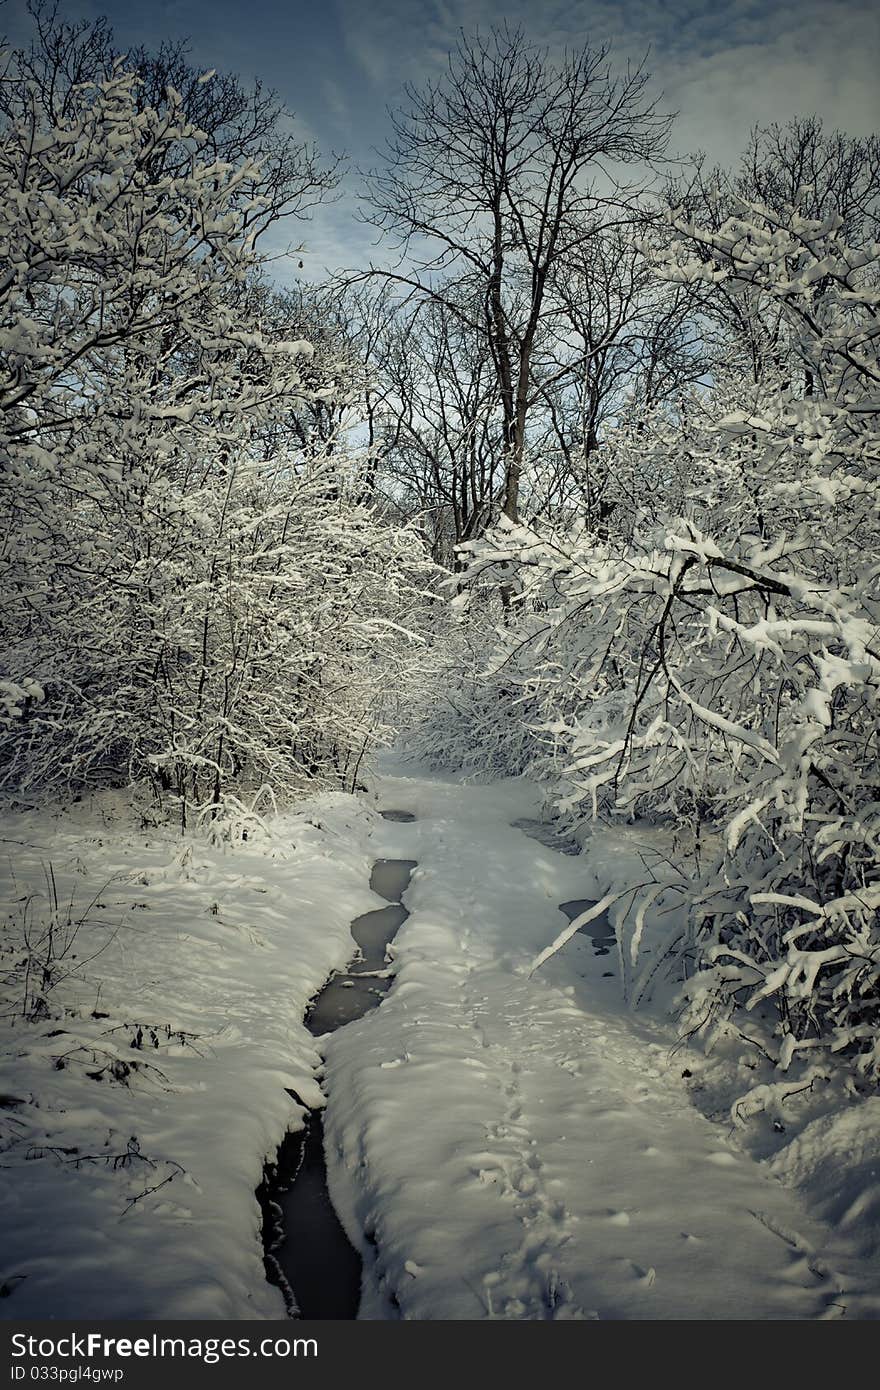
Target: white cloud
(724,67)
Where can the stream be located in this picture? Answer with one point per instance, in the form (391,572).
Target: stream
(306,1251)
(600,929)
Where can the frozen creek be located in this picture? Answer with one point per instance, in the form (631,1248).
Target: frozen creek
(506,1137)
(307,1253)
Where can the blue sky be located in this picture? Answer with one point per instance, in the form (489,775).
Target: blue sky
(338,64)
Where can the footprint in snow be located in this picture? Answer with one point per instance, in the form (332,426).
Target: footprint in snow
(525,1183)
(617,1218)
(801,1272)
(573,1068)
(639,1274)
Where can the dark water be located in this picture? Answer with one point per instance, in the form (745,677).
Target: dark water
(398,815)
(307,1253)
(353,992)
(600,929)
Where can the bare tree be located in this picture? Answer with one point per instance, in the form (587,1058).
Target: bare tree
(427,408)
(499,173)
(448,427)
(801,164)
(616,339)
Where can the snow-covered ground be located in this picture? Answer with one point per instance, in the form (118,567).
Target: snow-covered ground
(502,1141)
(214,953)
(521,1145)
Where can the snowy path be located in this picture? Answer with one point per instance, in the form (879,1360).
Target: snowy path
(498,1145)
(525,1148)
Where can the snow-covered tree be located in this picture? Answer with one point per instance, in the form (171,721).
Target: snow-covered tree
(497,176)
(718,657)
(188,592)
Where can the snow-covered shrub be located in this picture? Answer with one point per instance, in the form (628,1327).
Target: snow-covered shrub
(792,917)
(189,593)
(469,704)
(718,656)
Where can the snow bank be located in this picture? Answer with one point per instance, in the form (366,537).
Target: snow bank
(135,1116)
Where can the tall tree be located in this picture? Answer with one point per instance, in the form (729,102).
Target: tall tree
(496,175)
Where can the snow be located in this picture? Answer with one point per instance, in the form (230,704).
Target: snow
(226,945)
(504,1140)
(836,1161)
(516,1146)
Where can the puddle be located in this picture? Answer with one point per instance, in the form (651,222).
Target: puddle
(373,933)
(403,816)
(600,929)
(307,1253)
(390,880)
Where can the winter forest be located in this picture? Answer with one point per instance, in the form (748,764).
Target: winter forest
(550,531)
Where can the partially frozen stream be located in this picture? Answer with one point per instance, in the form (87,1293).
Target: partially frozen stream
(307,1252)
(600,929)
